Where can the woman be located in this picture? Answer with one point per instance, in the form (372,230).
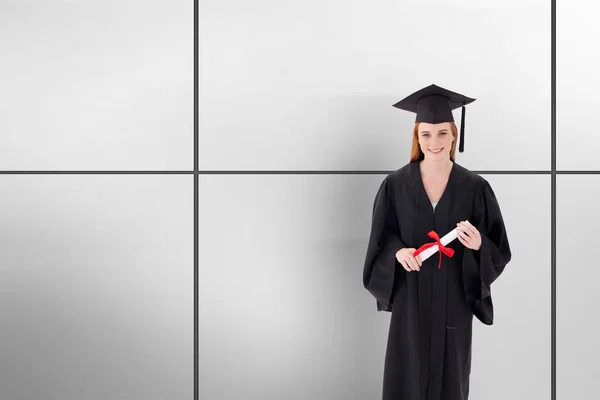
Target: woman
(428,355)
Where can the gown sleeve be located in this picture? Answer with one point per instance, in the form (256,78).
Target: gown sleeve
(384,241)
(482,267)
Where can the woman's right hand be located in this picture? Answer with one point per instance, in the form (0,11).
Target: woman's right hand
(408,261)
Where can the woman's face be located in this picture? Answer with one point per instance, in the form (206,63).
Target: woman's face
(433,137)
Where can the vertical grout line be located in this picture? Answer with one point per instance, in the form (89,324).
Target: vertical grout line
(553,200)
(196,200)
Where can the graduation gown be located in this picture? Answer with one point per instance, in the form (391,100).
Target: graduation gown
(428,354)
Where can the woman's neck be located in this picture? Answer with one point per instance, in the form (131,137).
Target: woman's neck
(436,168)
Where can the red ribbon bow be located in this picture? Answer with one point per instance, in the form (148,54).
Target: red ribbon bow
(442,249)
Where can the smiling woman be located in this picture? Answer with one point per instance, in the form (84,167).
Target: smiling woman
(433,301)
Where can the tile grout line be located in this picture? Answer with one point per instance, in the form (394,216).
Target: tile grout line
(553,201)
(196,393)
(289,172)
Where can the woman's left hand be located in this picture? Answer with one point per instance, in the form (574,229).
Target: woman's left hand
(472,238)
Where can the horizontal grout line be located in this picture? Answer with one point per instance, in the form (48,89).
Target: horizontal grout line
(96,172)
(349,172)
(496,172)
(307,172)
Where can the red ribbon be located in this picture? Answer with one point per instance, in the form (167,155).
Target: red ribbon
(442,249)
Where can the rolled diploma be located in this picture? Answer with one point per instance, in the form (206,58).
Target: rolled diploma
(450,236)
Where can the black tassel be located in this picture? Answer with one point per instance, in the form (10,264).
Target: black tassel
(461,147)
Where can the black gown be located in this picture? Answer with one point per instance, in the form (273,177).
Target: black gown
(428,355)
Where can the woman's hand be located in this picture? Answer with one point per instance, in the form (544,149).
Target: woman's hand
(408,261)
(468,235)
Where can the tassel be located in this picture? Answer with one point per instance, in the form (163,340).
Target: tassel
(461,147)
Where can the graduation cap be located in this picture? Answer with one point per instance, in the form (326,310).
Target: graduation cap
(434,105)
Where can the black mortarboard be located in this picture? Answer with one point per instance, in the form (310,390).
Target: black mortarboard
(434,105)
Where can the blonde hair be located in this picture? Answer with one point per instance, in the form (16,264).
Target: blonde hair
(415,152)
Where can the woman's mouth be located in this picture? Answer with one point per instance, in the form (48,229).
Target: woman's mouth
(436,151)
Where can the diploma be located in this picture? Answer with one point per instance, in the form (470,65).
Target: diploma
(430,249)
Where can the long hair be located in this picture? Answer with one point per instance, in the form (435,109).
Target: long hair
(415,152)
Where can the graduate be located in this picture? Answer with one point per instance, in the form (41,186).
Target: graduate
(432,302)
